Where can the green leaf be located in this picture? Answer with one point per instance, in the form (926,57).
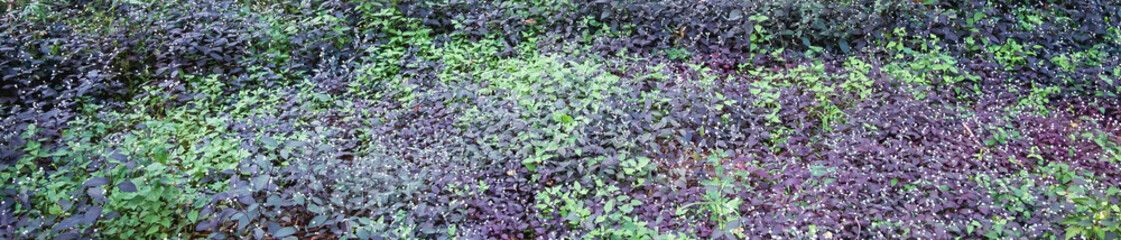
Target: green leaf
(193,215)
(992,235)
(161,154)
(566,119)
(530,164)
(269,142)
(626,208)
(642,162)
(55,209)
(151,219)
(1073,232)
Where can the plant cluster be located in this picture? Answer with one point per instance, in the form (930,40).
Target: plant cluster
(560,119)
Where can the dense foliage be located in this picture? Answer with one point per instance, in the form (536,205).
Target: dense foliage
(560,119)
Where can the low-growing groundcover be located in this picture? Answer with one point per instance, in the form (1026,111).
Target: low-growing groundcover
(560,119)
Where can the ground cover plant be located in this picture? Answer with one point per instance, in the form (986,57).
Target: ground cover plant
(560,119)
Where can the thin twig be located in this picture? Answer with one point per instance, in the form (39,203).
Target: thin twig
(971,136)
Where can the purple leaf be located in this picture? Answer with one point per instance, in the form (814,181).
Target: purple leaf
(126,186)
